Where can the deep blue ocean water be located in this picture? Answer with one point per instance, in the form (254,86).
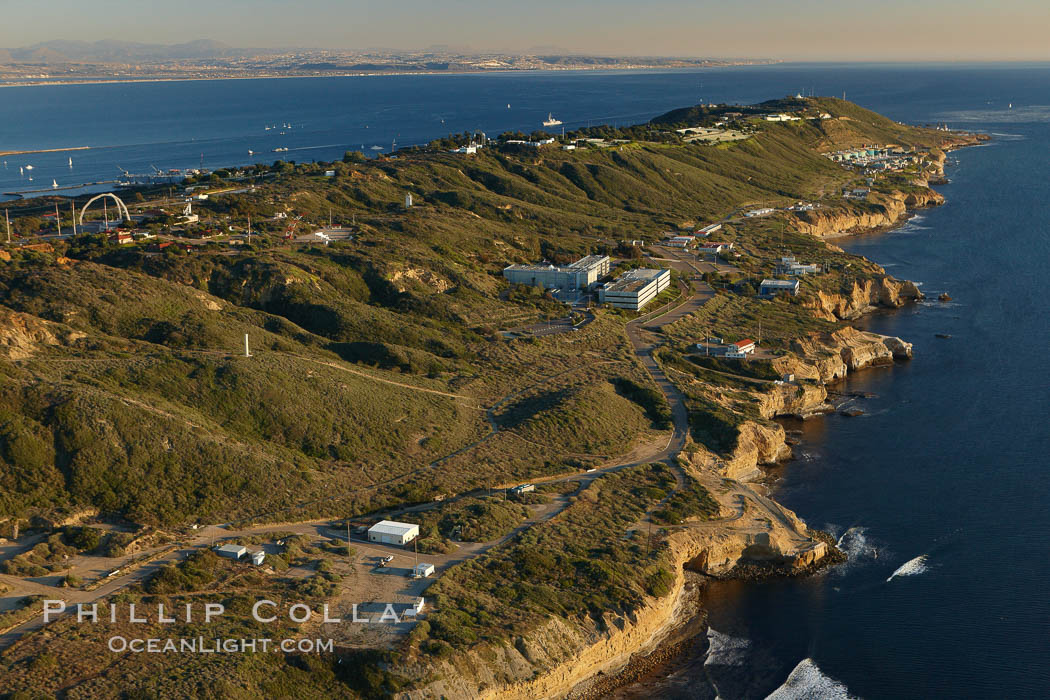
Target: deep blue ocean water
(947,467)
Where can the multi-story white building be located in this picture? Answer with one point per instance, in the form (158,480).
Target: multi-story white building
(582,274)
(635,288)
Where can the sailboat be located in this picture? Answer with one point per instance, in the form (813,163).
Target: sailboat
(71,162)
(251,152)
(551,121)
(54,184)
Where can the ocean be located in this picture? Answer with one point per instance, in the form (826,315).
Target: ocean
(938,491)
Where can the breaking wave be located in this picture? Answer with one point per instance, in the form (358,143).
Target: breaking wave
(913,567)
(856,545)
(808,682)
(724,650)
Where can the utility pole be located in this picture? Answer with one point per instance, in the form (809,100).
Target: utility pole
(246,353)
(73,209)
(7,218)
(349,550)
(58,220)
(249,229)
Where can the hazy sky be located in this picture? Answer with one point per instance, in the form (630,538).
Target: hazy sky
(789,29)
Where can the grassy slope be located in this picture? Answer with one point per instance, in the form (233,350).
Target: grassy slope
(155,396)
(155,416)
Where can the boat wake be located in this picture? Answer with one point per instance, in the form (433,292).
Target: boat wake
(913,567)
(808,682)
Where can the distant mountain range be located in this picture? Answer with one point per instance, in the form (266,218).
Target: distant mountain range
(110,51)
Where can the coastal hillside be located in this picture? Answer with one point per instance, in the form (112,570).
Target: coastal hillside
(191,383)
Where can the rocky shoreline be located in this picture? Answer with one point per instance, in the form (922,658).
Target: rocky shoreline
(660,659)
(562,660)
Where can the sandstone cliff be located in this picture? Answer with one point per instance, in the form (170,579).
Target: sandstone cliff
(560,653)
(882,211)
(863,296)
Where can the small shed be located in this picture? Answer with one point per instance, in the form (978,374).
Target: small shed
(422,570)
(258,557)
(231,551)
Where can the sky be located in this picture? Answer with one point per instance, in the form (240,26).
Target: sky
(814,30)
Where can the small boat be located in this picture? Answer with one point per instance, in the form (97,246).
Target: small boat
(551,121)
(279,150)
(29,167)
(266,128)
(377,148)
(71,162)
(251,152)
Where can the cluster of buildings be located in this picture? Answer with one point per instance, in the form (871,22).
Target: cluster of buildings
(580,275)
(764,211)
(534,144)
(789,266)
(632,290)
(876,158)
(793,118)
(635,288)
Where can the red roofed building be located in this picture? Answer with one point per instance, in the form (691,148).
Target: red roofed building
(746,346)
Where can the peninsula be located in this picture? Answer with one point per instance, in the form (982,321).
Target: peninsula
(69,62)
(505,390)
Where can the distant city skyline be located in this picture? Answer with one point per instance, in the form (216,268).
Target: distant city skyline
(815,30)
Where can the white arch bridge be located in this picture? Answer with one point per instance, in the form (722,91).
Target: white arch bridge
(121,207)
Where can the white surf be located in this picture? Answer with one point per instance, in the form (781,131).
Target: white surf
(808,682)
(912,567)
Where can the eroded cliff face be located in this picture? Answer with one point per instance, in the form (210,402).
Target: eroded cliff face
(864,296)
(757,444)
(883,210)
(559,654)
(22,335)
(819,360)
(830,357)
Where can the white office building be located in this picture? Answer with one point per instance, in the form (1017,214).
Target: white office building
(635,288)
(582,274)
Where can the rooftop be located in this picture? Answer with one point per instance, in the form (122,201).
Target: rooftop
(390,527)
(634,280)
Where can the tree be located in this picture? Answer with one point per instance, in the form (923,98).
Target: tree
(354,157)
